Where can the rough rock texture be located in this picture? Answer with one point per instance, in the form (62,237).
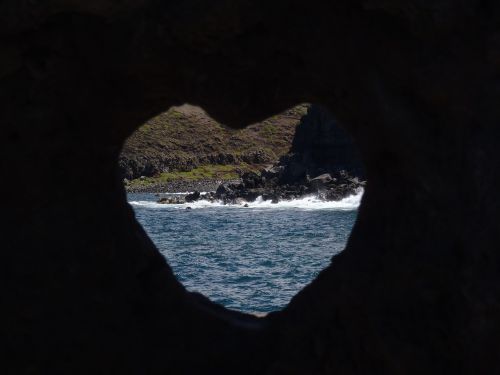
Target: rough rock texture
(321,145)
(185,137)
(417,289)
(269,186)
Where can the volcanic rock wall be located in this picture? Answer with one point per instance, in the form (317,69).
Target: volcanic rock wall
(320,145)
(417,289)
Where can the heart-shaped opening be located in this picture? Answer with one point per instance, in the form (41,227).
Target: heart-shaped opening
(245,217)
(86,291)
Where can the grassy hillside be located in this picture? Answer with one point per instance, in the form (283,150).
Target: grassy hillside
(185,143)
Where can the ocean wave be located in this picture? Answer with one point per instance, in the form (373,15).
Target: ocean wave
(351,202)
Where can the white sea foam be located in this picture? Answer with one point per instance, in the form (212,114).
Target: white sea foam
(307,203)
(183,193)
(312,203)
(198,204)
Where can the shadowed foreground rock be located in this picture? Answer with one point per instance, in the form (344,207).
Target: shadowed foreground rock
(417,289)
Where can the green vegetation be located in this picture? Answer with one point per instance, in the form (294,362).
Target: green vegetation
(204,172)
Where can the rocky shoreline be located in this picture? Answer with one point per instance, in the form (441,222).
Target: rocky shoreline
(268,186)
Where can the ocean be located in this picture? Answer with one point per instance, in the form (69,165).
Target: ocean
(252,259)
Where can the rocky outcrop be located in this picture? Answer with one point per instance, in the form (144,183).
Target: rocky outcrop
(321,145)
(323,162)
(417,289)
(267,186)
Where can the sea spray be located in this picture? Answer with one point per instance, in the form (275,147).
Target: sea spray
(351,202)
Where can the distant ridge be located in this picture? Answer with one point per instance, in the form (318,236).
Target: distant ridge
(186,139)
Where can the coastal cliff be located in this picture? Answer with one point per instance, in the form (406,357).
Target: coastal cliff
(184,149)
(321,145)
(184,143)
(323,162)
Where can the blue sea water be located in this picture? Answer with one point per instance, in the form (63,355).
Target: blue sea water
(252,259)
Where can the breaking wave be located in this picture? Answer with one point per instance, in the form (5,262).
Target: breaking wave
(351,202)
